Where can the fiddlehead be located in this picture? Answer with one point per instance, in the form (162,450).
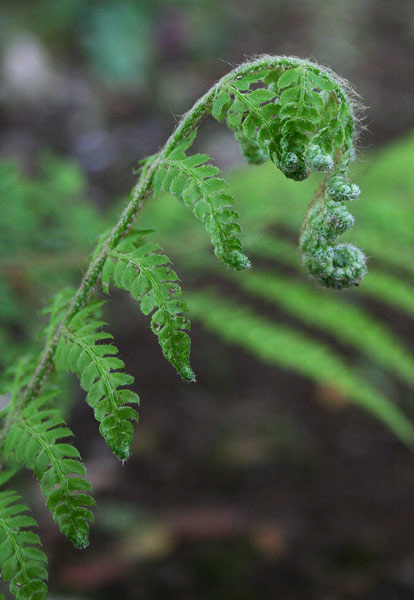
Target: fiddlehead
(334,265)
(295,113)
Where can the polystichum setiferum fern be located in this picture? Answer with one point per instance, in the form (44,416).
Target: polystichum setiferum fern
(299,115)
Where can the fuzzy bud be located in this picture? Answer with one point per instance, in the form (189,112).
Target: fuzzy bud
(340,190)
(318,160)
(294,166)
(334,265)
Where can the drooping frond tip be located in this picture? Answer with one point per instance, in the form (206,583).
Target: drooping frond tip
(302,117)
(198,184)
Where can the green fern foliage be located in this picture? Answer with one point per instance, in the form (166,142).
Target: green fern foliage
(141,269)
(355,327)
(199,186)
(100,374)
(301,120)
(379,284)
(22,562)
(34,440)
(300,116)
(40,235)
(251,114)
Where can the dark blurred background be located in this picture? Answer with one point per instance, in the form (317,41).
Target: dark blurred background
(256,482)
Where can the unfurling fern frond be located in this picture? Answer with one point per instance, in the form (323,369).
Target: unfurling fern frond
(199,186)
(302,121)
(296,113)
(21,560)
(335,265)
(99,372)
(33,440)
(143,271)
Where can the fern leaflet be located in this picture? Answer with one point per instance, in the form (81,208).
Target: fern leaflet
(201,189)
(140,269)
(99,373)
(21,560)
(298,120)
(34,440)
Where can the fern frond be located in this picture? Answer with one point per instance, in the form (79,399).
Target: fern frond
(33,440)
(391,289)
(99,372)
(300,116)
(388,250)
(142,270)
(199,186)
(22,562)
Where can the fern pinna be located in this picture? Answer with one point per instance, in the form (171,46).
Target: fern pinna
(299,115)
(100,376)
(22,561)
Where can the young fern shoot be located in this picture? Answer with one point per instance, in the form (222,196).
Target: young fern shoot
(295,113)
